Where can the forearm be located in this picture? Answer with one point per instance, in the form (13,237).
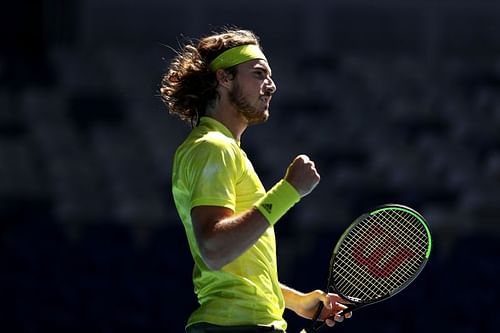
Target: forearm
(222,236)
(229,237)
(291,296)
(306,304)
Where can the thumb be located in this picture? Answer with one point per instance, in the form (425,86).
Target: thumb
(325,299)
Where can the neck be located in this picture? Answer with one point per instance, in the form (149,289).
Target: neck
(226,114)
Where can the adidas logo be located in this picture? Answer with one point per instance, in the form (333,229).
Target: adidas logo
(268,207)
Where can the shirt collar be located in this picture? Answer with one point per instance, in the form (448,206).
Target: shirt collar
(217,125)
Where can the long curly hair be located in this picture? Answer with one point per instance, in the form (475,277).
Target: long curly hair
(188,86)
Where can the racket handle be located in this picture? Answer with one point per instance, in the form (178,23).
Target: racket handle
(317,325)
(314,326)
(318,312)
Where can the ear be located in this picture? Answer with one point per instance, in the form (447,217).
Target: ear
(223,78)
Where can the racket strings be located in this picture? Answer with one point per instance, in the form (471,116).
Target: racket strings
(415,233)
(394,242)
(414,238)
(355,287)
(408,233)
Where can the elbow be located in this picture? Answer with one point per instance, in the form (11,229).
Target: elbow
(213,264)
(213,258)
(214,251)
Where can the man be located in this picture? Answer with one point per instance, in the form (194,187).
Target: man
(221,86)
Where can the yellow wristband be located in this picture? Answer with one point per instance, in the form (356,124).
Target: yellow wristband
(277,201)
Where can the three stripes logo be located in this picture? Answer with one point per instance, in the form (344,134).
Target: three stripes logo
(268,207)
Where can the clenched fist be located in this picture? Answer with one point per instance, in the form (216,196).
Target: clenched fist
(302,175)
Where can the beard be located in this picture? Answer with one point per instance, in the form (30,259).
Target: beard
(245,108)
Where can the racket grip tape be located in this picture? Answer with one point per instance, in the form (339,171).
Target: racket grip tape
(314,326)
(318,312)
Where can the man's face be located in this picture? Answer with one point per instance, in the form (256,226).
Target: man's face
(252,91)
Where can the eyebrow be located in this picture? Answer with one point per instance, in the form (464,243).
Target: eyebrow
(263,68)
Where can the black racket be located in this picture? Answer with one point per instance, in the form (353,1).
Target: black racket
(377,256)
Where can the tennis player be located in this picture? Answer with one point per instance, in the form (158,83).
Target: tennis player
(221,85)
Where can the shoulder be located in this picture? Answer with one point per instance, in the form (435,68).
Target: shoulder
(214,139)
(212,142)
(211,145)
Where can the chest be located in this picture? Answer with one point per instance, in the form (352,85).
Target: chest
(249,187)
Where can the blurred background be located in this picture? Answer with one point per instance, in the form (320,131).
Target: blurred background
(396,101)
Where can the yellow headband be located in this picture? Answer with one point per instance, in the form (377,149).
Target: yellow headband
(236,56)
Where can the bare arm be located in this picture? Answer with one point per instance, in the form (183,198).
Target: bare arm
(306,304)
(223,236)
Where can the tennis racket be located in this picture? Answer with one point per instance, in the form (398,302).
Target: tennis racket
(377,256)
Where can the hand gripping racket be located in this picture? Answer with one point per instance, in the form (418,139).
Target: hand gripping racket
(377,256)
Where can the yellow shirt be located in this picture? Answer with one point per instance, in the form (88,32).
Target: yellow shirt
(211,169)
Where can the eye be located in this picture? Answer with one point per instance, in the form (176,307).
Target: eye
(261,74)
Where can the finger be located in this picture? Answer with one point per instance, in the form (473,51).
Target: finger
(339,318)
(348,315)
(299,159)
(311,164)
(329,322)
(339,299)
(304,157)
(334,301)
(313,168)
(323,297)
(339,306)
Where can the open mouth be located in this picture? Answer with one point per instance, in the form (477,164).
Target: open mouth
(265,98)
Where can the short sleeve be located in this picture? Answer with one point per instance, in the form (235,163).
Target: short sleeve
(214,175)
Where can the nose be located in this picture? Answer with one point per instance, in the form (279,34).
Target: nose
(270,87)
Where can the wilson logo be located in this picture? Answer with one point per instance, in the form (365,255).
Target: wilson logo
(381,258)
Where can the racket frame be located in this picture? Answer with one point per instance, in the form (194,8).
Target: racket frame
(354,305)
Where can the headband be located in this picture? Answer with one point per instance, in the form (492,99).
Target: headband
(237,55)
